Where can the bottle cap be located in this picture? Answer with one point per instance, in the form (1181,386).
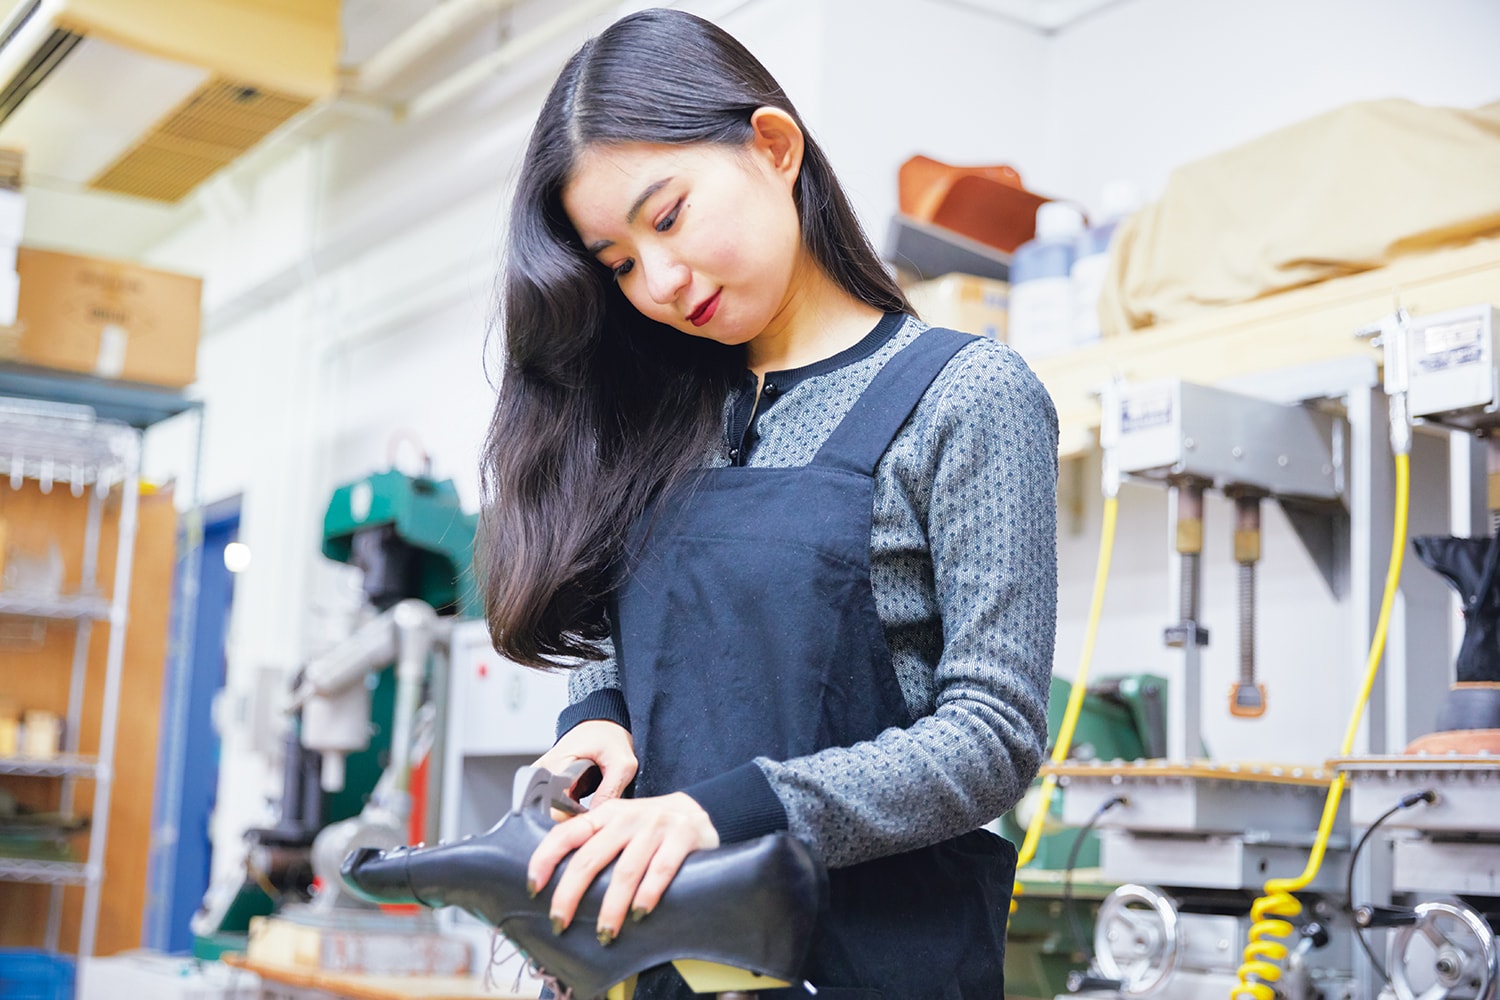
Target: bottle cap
(1058,221)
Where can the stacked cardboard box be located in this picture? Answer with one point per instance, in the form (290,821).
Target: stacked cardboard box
(105,318)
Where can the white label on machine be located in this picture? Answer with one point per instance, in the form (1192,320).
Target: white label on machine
(1448,345)
(1144,411)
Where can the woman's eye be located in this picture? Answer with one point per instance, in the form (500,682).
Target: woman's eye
(668,220)
(623,268)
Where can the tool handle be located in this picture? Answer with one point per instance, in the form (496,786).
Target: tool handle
(1385,916)
(1082,982)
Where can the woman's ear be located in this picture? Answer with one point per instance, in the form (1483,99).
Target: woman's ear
(778,140)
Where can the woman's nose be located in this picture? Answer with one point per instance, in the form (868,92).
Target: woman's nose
(665,278)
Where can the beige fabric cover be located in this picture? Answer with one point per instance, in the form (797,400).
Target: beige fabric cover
(1343,192)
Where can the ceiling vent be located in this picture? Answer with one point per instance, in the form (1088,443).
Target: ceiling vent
(151,97)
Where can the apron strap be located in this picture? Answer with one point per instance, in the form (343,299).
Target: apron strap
(859,440)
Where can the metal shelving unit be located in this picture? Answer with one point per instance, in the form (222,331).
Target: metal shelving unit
(64,765)
(73,607)
(66,446)
(136,406)
(49,872)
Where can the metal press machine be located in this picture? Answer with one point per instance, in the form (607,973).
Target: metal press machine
(1194,841)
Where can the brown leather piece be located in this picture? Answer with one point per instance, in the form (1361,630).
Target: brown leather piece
(986,203)
(1465,742)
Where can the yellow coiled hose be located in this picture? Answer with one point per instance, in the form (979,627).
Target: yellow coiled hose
(1269,930)
(1075,698)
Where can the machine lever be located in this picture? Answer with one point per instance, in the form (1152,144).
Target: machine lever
(1314,935)
(1080,982)
(1385,916)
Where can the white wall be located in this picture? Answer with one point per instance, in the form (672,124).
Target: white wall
(1146,85)
(348,277)
(904,77)
(1134,91)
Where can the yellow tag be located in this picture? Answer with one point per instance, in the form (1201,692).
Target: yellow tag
(623,990)
(711,977)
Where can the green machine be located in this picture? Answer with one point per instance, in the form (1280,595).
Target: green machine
(347,750)
(410,536)
(1052,923)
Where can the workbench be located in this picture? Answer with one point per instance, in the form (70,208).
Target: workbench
(282,982)
(1302,326)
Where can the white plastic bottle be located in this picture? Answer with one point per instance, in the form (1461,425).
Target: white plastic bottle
(1041,295)
(1091,258)
(12,217)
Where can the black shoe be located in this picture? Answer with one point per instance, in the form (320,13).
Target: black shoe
(750,906)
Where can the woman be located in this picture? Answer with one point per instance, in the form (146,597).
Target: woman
(798,551)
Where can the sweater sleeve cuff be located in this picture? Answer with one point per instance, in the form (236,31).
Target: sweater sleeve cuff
(740,803)
(607,704)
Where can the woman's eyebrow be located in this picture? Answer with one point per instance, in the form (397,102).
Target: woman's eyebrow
(651,189)
(635,209)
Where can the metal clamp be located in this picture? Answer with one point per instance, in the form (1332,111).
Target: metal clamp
(538,788)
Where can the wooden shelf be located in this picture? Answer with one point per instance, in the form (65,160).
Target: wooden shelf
(1303,326)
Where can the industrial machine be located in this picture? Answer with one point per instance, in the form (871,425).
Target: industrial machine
(1188,840)
(1239,879)
(1431,815)
(1121,719)
(357,709)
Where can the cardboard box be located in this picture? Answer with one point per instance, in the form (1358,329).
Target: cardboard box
(106,318)
(963,302)
(396,949)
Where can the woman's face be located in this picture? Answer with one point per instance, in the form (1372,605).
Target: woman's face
(704,238)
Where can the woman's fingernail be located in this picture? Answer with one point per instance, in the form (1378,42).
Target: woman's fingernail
(531,889)
(606,936)
(638,914)
(558,926)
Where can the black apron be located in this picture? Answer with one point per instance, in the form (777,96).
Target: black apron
(746,626)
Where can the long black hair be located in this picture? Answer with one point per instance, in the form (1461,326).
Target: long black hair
(599,408)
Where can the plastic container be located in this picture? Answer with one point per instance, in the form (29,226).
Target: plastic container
(35,975)
(1041,294)
(1091,258)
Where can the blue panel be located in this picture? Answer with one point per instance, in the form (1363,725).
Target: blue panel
(197,770)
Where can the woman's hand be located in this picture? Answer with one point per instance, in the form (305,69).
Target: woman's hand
(650,837)
(608,745)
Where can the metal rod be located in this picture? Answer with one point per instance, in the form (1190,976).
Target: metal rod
(172,756)
(1189,542)
(130,487)
(1184,694)
(1247,622)
(1247,699)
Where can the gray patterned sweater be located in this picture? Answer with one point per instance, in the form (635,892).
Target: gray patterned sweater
(964,572)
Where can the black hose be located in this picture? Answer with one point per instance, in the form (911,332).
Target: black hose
(1073,924)
(1426,795)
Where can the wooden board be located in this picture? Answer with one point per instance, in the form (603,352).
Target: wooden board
(1155,770)
(38,678)
(1299,327)
(376,987)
